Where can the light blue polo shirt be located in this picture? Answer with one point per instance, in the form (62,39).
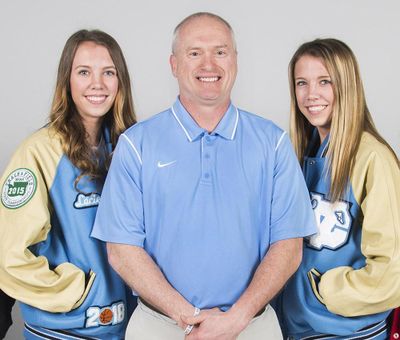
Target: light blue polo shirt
(205,206)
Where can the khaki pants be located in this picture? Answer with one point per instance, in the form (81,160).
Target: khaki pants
(146,324)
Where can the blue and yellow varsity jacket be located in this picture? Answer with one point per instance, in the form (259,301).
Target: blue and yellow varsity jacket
(349,278)
(48,261)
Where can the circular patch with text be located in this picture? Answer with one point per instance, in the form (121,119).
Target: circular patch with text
(18,188)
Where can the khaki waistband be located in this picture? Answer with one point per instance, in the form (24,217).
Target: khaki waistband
(154,309)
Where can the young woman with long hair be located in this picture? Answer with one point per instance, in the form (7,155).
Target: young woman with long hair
(49,197)
(348,281)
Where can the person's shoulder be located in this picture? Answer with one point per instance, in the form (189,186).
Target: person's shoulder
(153,123)
(260,125)
(259,121)
(371,147)
(373,153)
(42,139)
(42,149)
(374,164)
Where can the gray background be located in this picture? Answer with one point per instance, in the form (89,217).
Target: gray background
(33,33)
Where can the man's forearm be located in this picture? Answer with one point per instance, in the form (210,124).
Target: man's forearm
(280,262)
(142,274)
(278,265)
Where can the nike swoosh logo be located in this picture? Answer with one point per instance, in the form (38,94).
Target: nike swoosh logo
(162,165)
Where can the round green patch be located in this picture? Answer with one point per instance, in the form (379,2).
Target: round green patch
(18,188)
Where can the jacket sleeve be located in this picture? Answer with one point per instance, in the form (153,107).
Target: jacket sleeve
(25,221)
(375,287)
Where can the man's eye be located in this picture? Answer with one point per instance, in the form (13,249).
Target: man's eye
(194,54)
(221,52)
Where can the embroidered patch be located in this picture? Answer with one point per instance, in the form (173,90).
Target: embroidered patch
(334,223)
(104,316)
(18,188)
(83,201)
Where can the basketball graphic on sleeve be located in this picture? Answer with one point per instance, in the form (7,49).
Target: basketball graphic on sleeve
(106,316)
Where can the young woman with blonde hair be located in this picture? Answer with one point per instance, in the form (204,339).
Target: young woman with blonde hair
(49,197)
(348,281)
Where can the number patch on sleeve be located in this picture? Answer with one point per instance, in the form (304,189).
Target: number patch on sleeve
(104,316)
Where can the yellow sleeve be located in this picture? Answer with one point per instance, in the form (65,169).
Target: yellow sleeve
(25,221)
(376,287)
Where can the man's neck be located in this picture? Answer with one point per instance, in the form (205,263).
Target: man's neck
(206,116)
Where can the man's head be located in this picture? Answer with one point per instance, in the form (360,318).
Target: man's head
(204,60)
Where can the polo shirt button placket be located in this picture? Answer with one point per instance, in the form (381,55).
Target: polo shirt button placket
(206,158)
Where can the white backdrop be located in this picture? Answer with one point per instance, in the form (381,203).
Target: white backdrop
(33,33)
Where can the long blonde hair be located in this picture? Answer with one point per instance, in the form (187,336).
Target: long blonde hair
(66,121)
(350,114)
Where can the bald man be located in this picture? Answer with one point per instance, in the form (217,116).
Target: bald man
(205,206)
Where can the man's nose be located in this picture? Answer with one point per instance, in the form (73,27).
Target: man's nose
(208,61)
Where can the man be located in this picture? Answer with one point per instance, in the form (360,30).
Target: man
(204,206)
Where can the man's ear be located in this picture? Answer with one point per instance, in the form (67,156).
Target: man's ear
(172,62)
